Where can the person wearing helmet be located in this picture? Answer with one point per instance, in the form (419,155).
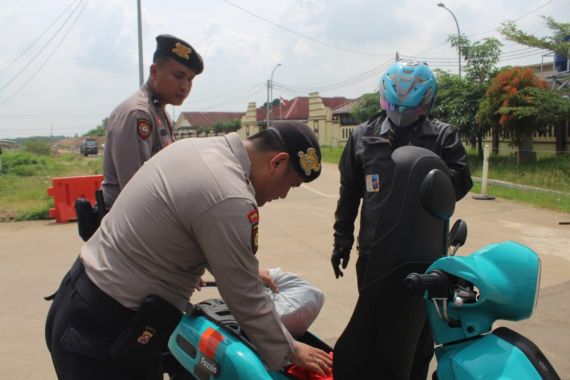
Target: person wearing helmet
(407,93)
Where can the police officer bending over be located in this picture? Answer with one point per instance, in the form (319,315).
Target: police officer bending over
(139,127)
(191,207)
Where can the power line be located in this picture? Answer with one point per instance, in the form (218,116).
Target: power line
(525,52)
(48,57)
(334,85)
(300,34)
(249,95)
(42,48)
(235,92)
(27,48)
(487,31)
(68,112)
(517,19)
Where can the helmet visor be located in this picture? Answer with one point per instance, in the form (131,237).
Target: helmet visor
(418,110)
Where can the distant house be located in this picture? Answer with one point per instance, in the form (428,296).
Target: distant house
(7,144)
(188,124)
(329,117)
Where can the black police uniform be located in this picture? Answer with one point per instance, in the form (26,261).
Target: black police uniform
(366,171)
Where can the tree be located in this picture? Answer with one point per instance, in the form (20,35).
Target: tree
(226,126)
(458,99)
(557,42)
(232,125)
(457,103)
(481,57)
(38,146)
(368,105)
(511,106)
(100,130)
(204,130)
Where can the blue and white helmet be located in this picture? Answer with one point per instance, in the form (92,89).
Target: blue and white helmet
(408,87)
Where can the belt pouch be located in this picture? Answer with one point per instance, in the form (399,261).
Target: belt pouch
(87,219)
(145,337)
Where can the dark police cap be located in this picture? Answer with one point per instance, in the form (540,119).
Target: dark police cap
(181,51)
(301,143)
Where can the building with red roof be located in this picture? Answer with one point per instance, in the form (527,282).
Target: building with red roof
(329,117)
(191,124)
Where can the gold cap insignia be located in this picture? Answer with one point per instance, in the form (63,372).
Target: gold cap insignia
(309,161)
(182,50)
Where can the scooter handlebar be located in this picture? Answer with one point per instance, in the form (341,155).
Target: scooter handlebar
(427,281)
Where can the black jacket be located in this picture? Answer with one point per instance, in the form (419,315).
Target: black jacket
(366,170)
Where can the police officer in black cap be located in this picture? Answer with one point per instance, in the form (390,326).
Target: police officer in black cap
(139,127)
(124,295)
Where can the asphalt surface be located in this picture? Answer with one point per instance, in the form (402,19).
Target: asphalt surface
(296,235)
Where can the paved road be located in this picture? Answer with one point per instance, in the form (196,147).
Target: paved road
(295,234)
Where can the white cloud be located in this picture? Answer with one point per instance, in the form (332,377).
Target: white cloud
(97,65)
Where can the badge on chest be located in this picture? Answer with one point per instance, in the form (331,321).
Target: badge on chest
(372,183)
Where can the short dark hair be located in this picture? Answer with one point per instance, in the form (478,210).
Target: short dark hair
(267,141)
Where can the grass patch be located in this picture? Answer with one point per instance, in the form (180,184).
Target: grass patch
(331,155)
(27,176)
(548,172)
(545,200)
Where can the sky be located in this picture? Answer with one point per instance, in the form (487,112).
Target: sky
(66,64)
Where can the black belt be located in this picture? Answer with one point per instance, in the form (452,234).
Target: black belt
(94,296)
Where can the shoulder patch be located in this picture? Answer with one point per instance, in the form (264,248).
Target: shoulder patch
(253,216)
(254,237)
(144,128)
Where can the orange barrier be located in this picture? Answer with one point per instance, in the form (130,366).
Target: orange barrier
(66,190)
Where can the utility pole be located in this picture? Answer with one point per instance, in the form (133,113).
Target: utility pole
(270,96)
(267,105)
(141,77)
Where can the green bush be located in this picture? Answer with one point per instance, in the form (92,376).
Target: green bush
(23,164)
(42,148)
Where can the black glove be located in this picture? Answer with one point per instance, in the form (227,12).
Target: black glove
(340,255)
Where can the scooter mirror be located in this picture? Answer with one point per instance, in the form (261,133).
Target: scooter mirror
(457,235)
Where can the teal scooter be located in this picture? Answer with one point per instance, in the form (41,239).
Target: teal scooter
(465,295)
(414,269)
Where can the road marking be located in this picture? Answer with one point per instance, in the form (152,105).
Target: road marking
(318,192)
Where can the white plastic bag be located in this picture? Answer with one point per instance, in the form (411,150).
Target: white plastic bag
(298,303)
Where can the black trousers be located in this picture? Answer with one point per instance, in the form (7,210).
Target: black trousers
(424,348)
(82,324)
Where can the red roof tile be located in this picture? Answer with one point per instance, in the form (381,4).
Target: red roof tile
(205,119)
(298,108)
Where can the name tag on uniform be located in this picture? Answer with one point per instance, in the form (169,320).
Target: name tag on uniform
(372,183)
